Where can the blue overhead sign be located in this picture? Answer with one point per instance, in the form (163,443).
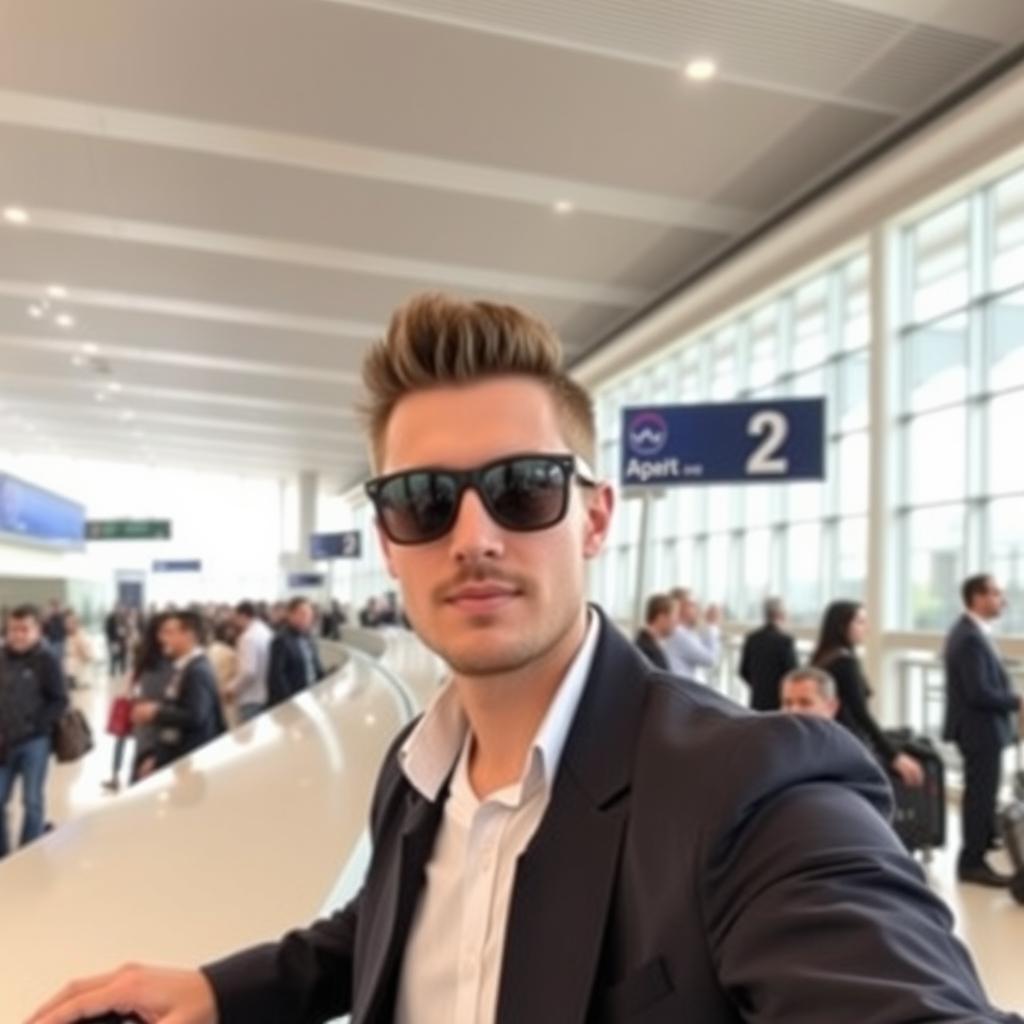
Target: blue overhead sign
(300,580)
(178,565)
(33,513)
(323,546)
(733,442)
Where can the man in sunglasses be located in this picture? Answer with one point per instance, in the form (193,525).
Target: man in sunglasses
(568,834)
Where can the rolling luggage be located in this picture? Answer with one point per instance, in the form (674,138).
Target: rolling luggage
(1011,821)
(919,818)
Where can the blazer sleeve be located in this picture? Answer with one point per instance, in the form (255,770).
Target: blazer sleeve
(744,669)
(55,693)
(306,977)
(277,684)
(813,910)
(192,708)
(974,664)
(852,689)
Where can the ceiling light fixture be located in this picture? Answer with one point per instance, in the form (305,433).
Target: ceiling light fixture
(78,361)
(57,291)
(115,386)
(90,348)
(101,396)
(564,206)
(701,70)
(35,311)
(127,414)
(15,215)
(65,320)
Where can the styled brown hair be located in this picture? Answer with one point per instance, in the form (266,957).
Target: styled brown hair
(657,605)
(436,340)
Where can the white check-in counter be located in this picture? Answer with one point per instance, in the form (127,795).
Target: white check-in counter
(255,833)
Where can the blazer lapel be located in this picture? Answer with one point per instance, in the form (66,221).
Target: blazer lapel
(394,900)
(566,878)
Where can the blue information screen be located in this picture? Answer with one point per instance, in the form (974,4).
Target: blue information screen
(734,442)
(178,565)
(33,513)
(297,580)
(347,544)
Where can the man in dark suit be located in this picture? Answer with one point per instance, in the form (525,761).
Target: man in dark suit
(659,621)
(294,658)
(768,654)
(979,706)
(567,834)
(189,714)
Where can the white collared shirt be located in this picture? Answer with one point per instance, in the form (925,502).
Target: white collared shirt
(690,651)
(250,682)
(453,956)
(983,624)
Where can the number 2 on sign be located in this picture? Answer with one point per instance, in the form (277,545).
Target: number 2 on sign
(774,427)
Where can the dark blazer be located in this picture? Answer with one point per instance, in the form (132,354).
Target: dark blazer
(696,863)
(647,644)
(768,654)
(287,673)
(979,697)
(190,713)
(853,692)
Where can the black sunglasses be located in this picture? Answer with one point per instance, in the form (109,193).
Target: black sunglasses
(520,492)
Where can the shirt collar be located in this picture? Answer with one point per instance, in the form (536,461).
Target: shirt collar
(983,624)
(433,747)
(187,659)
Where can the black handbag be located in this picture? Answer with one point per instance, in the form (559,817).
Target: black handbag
(72,737)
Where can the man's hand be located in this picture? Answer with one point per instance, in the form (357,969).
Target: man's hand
(157,995)
(144,712)
(909,770)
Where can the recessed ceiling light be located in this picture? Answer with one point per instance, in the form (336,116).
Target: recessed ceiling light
(57,291)
(101,396)
(701,70)
(90,348)
(78,360)
(115,386)
(15,215)
(65,320)
(35,311)
(564,206)
(127,414)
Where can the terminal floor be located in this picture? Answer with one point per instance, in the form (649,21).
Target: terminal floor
(989,921)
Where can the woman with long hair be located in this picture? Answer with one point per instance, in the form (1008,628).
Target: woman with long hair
(843,630)
(147,679)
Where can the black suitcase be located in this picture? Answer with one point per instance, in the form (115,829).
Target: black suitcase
(1011,822)
(919,818)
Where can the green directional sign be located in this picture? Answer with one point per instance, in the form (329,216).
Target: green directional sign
(128,529)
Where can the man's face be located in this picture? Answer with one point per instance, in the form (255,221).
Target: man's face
(992,603)
(22,634)
(804,697)
(301,618)
(175,641)
(487,599)
(689,612)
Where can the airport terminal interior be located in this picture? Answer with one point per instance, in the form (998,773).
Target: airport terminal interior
(781,243)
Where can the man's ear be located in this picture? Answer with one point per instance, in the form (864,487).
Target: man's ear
(599,505)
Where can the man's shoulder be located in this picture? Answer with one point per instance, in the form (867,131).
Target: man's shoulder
(726,759)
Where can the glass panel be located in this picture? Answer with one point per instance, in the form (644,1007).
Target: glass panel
(1006,558)
(757,568)
(761,503)
(724,370)
(721,505)
(765,348)
(689,374)
(935,540)
(1006,428)
(852,473)
(686,562)
(810,312)
(716,581)
(856,312)
(940,278)
(853,392)
(936,456)
(1006,342)
(852,570)
(1008,214)
(937,364)
(803,572)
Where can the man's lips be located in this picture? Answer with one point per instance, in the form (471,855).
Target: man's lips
(481,596)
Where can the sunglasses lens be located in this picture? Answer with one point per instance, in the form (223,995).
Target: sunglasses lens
(526,493)
(416,507)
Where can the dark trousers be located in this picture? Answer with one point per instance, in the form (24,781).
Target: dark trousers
(982,768)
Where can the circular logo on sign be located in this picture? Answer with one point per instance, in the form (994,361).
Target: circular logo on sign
(648,434)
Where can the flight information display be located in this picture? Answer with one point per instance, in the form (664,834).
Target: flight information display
(33,513)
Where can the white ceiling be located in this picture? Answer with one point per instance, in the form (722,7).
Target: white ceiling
(236,193)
